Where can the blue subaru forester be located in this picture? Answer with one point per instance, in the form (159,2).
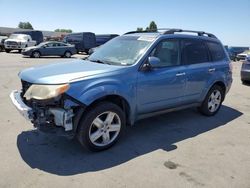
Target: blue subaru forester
(134,76)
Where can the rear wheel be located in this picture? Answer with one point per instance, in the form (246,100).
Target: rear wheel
(101,127)
(36,54)
(67,54)
(7,50)
(212,102)
(19,51)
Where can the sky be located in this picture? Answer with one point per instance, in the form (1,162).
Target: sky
(229,20)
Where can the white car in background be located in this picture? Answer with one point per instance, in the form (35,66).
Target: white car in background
(243,55)
(18,42)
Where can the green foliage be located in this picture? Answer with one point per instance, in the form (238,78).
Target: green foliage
(25,25)
(152,27)
(139,29)
(64,30)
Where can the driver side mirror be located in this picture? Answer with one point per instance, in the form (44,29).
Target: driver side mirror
(152,62)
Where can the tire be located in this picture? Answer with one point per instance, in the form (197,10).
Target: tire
(36,54)
(94,135)
(7,50)
(67,54)
(19,51)
(244,82)
(212,103)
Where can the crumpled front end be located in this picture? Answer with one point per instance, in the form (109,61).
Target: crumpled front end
(53,115)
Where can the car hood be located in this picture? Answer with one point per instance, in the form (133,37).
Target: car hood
(65,72)
(15,40)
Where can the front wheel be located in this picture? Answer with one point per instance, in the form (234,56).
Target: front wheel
(67,54)
(36,54)
(212,102)
(101,126)
(7,50)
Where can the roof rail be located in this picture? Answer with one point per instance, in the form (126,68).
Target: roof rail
(131,32)
(173,31)
(200,33)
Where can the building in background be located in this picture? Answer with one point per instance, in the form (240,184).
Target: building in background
(48,35)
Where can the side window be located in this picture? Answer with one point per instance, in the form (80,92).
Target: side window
(194,51)
(216,51)
(49,45)
(168,52)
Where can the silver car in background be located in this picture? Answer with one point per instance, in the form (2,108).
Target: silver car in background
(245,71)
(51,48)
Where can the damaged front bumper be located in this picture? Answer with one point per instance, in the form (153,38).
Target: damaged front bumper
(21,107)
(47,118)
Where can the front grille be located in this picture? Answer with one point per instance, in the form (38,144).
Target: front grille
(11,43)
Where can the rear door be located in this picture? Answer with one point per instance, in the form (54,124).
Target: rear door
(195,55)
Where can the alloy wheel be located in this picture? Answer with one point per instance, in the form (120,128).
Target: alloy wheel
(105,128)
(214,101)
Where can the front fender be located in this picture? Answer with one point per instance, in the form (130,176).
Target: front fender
(88,91)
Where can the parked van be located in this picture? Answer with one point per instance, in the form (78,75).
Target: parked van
(82,41)
(102,39)
(35,35)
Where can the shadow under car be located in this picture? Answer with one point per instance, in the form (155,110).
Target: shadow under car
(59,156)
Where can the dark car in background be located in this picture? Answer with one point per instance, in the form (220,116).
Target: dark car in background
(82,41)
(234,51)
(35,35)
(2,39)
(102,39)
(245,71)
(50,49)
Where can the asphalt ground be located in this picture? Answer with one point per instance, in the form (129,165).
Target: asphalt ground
(179,149)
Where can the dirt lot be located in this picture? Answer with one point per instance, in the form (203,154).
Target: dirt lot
(180,149)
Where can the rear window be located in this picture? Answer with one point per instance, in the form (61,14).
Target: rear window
(194,51)
(216,50)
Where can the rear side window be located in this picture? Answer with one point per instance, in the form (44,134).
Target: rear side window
(194,51)
(216,50)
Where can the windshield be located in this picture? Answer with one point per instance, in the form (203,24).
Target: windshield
(123,50)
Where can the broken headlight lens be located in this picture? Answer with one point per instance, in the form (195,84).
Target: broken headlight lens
(42,92)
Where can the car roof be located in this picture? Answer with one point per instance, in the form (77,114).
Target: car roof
(186,36)
(175,33)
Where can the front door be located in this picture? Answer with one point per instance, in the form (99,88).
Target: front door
(163,86)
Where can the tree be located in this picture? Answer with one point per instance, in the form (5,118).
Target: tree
(64,30)
(25,25)
(152,27)
(139,29)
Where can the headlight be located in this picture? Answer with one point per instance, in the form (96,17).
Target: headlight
(42,92)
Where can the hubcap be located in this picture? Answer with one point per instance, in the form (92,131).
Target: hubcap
(36,54)
(105,128)
(67,54)
(214,101)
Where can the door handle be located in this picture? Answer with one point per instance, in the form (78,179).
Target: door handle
(211,70)
(181,74)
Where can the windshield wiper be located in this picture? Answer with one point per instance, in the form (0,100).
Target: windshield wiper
(98,61)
